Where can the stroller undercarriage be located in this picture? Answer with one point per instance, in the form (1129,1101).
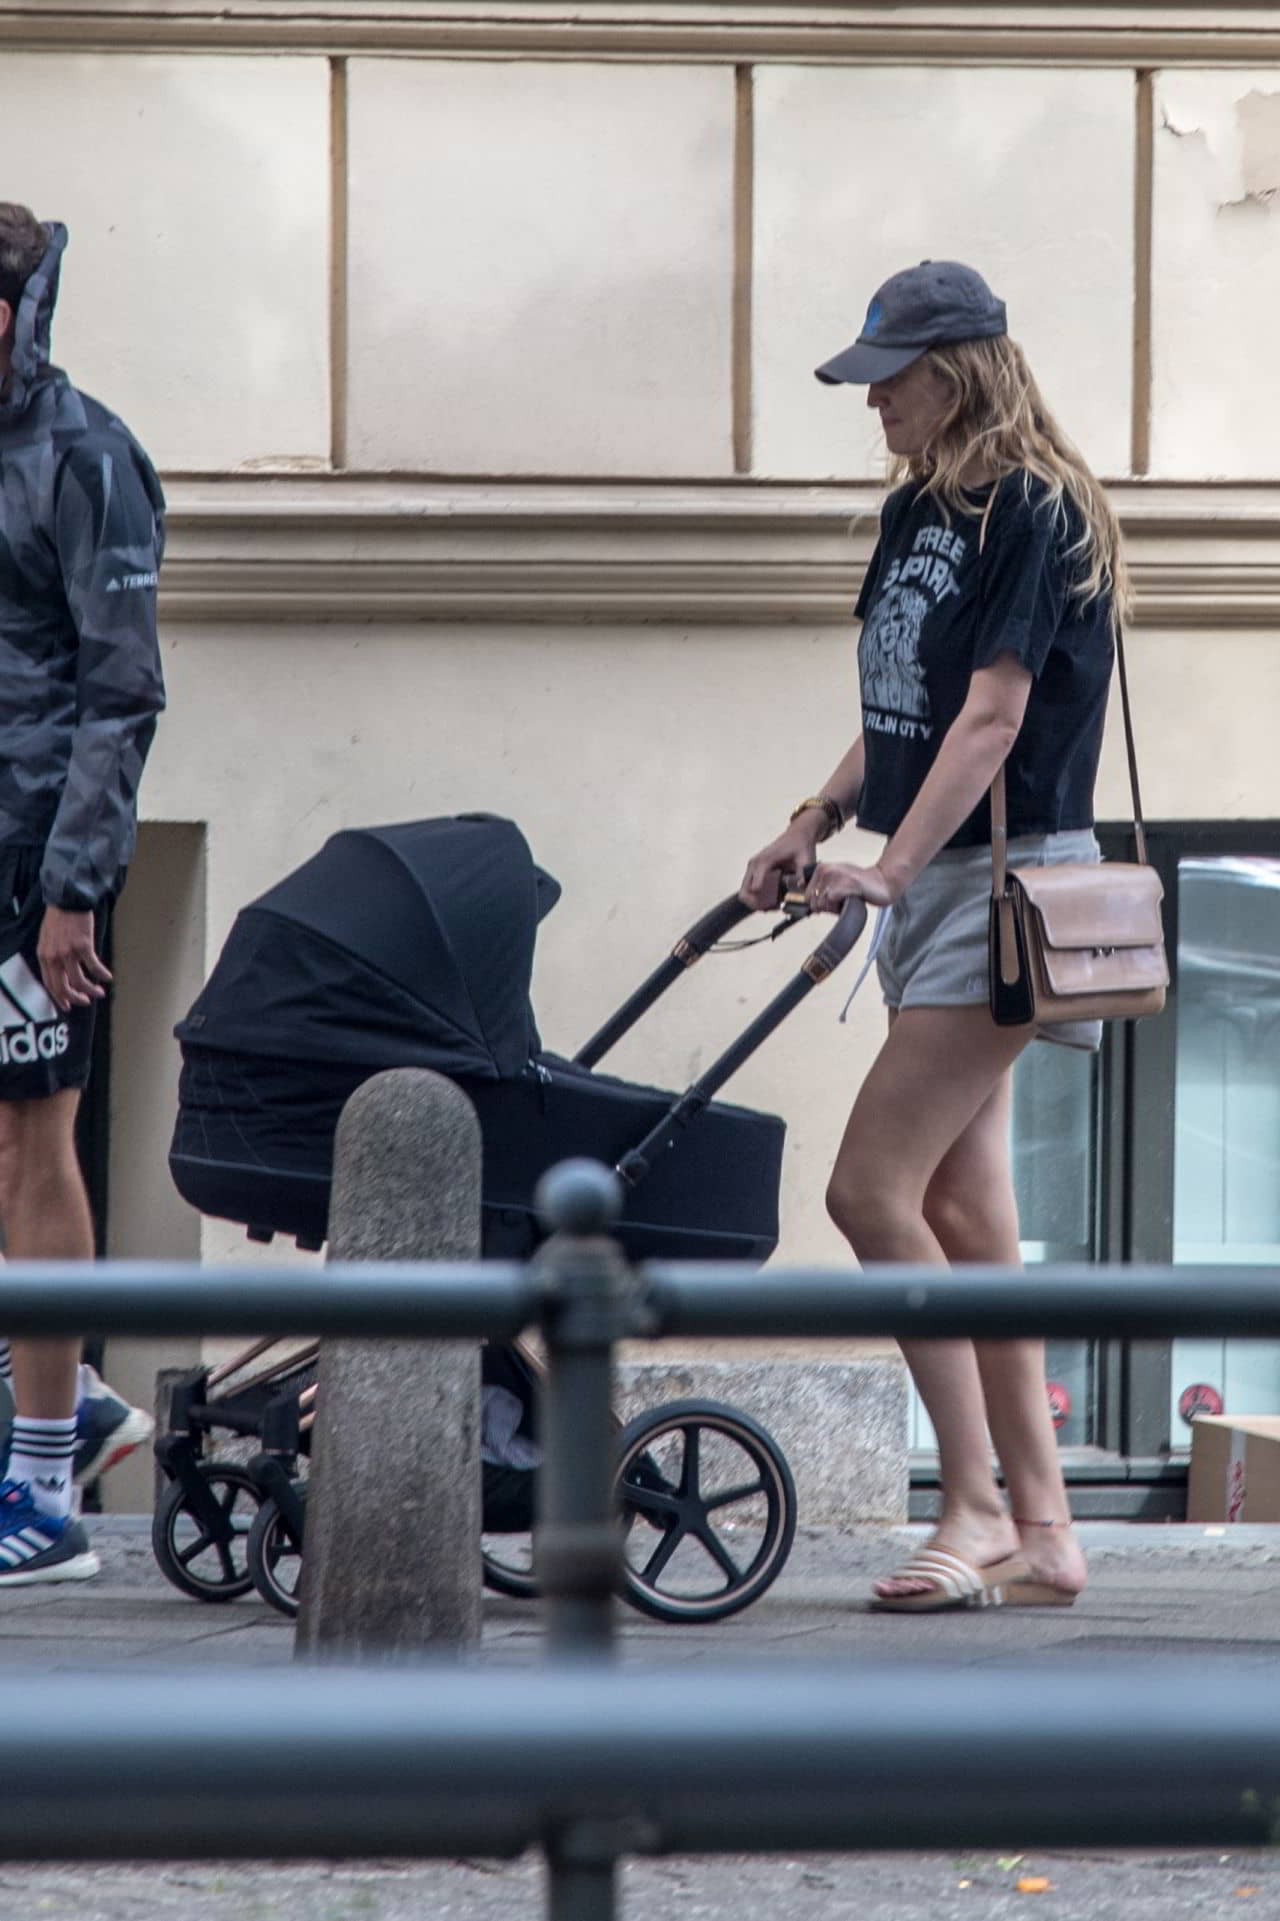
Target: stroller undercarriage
(706,1499)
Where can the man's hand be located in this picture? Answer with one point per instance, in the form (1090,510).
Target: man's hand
(69,963)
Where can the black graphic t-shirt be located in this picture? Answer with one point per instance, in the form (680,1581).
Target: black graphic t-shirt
(935,608)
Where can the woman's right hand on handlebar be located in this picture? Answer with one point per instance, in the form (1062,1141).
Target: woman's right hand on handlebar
(782,861)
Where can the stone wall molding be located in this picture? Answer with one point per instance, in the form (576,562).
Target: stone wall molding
(973,32)
(322,549)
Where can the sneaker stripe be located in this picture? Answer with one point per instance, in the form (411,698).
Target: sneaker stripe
(77,1567)
(35,1546)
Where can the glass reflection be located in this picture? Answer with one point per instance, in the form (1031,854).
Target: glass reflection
(1227,1112)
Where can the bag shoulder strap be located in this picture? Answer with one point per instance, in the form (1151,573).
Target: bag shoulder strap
(1139,823)
(999,802)
(999,799)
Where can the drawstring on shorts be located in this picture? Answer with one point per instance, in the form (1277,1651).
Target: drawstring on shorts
(877,940)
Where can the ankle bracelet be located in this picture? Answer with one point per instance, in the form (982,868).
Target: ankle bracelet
(1018,1521)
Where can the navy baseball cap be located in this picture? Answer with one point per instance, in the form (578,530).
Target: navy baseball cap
(926,306)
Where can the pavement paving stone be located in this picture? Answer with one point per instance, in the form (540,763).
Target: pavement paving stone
(1157,1592)
(885,1887)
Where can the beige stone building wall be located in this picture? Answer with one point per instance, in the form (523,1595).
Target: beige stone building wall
(474,339)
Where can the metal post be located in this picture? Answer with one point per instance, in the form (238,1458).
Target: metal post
(392,1559)
(577,1544)
(582,1874)
(577,1547)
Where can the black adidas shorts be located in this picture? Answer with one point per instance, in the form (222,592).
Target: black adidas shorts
(42,1050)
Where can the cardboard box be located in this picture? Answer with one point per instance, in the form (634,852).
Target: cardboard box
(1235,1468)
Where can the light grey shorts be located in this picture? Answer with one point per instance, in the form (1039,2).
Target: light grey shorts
(934,951)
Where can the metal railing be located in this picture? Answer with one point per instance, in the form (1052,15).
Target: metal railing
(601,1761)
(584,1761)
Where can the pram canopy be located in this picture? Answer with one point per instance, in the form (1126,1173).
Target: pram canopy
(412,946)
(401,946)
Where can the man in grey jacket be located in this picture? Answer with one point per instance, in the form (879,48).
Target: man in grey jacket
(81,538)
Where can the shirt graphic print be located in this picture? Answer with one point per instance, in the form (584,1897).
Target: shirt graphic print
(895,697)
(889,654)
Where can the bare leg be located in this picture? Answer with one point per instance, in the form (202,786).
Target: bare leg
(46,1218)
(940,1071)
(971,1206)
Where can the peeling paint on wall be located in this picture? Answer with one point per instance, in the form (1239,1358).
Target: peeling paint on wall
(1215,273)
(1258,118)
(1169,125)
(1240,144)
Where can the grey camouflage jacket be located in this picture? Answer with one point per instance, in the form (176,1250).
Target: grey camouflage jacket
(81,538)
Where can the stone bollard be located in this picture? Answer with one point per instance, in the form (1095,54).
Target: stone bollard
(391,1562)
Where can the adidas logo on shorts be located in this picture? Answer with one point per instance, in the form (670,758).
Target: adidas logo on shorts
(31,1024)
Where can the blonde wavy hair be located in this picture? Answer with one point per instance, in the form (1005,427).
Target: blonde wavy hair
(997,423)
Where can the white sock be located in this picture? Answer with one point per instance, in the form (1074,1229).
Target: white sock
(42,1453)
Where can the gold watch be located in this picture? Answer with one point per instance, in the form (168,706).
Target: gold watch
(825,804)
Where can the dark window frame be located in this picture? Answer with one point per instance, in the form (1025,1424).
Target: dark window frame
(1139,1084)
(1138,1468)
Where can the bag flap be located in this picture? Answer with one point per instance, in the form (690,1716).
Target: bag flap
(1070,972)
(1114,904)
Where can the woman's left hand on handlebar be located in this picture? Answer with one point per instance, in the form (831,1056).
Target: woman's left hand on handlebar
(835,882)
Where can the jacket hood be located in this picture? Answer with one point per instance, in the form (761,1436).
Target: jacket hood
(33,330)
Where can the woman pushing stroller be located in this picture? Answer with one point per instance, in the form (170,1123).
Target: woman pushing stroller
(989,612)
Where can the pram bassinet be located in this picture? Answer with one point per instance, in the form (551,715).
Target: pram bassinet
(412,946)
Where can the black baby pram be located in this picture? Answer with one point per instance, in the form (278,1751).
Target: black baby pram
(412,945)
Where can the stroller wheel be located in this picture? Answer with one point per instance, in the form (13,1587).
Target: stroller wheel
(506,1564)
(199,1536)
(275,1558)
(506,1530)
(708,1509)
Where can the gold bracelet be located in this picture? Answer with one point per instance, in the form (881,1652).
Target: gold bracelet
(831,808)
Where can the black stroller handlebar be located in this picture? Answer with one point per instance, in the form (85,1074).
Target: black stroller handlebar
(722,919)
(704,933)
(844,936)
(689,948)
(824,959)
(701,937)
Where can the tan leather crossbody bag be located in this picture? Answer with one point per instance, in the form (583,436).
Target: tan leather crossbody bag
(1080,941)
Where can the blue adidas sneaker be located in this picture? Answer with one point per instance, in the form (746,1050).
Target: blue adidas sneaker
(107,1428)
(36,1547)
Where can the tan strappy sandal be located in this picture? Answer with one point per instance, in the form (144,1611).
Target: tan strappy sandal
(953,1583)
(1039,1594)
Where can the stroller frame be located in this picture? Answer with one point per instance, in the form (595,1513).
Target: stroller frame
(200,1520)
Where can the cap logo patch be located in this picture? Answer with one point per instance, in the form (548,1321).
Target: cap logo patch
(874,320)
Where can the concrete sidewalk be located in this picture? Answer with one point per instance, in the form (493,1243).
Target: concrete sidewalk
(1208,1592)
(1206,1595)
